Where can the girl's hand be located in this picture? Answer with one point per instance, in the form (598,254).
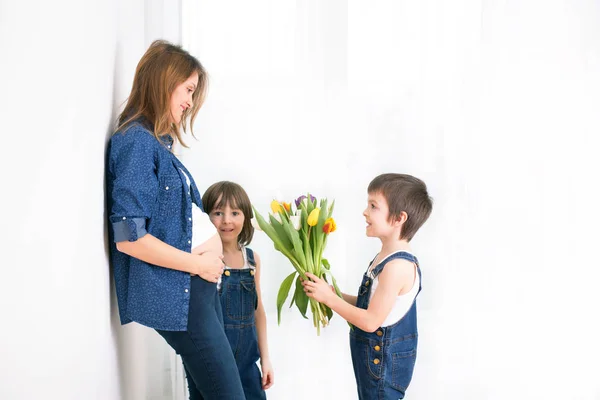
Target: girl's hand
(210,266)
(317,288)
(268,376)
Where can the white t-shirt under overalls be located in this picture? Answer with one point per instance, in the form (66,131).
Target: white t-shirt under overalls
(403,302)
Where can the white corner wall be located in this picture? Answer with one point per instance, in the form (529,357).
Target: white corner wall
(65,68)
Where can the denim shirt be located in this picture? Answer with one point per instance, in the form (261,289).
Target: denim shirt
(147,193)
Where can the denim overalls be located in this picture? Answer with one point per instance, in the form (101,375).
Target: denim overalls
(384,360)
(239,301)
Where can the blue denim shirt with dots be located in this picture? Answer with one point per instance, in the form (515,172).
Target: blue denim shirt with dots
(148,193)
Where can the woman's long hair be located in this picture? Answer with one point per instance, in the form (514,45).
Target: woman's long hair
(163,67)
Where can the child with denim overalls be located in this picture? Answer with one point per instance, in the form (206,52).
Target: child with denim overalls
(230,210)
(383,340)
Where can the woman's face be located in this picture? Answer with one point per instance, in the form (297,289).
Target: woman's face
(181,99)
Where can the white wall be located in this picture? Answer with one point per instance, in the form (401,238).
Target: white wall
(493,104)
(58,64)
(65,68)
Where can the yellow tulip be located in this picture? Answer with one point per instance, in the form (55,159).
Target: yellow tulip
(313,218)
(276,207)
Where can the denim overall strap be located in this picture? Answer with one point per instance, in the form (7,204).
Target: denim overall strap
(402,255)
(250,257)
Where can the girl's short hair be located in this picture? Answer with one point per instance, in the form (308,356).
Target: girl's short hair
(219,194)
(161,69)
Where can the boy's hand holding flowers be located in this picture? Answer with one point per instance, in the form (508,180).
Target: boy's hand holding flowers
(316,288)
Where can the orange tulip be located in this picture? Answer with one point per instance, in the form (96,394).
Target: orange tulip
(329,225)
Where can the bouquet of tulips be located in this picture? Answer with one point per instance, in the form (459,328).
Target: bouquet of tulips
(300,233)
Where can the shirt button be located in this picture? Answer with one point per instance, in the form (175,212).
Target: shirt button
(124,218)
(185,290)
(376,361)
(167,188)
(169,146)
(190,218)
(377,348)
(189,242)
(379,333)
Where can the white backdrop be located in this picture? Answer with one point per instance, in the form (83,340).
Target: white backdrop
(65,68)
(494,104)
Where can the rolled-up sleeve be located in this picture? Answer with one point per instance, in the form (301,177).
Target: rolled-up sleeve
(133,189)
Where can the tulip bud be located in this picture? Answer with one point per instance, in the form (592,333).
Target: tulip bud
(313,218)
(276,207)
(329,225)
(296,221)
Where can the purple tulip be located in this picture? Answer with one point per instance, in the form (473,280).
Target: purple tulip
(299,199)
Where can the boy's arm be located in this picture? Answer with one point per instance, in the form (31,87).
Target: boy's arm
(348,298)
(261,332)
(398,275)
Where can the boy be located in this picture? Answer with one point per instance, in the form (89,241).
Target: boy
(384,339)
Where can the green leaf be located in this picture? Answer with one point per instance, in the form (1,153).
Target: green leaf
(281,235)
(284,290)
(295,238)
(301,298)
(329,313)
(325,263)
(268,229)
(330,213)
(277,243)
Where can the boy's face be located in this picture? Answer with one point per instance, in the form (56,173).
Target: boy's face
(376,215)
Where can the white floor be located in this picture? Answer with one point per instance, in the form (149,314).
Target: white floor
(320,367)
(307,365)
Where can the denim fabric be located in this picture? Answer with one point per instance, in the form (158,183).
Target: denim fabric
(239,300)
(147,193)
(206,354)
(384,360)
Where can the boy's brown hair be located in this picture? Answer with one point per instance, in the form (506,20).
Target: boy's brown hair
(404,193)
(231,193)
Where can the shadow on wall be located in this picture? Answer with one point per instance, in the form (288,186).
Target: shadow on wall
(115,323)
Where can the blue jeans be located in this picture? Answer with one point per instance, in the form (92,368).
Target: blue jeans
(209,364)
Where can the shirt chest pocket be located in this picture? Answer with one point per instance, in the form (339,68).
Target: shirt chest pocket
(170,194)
